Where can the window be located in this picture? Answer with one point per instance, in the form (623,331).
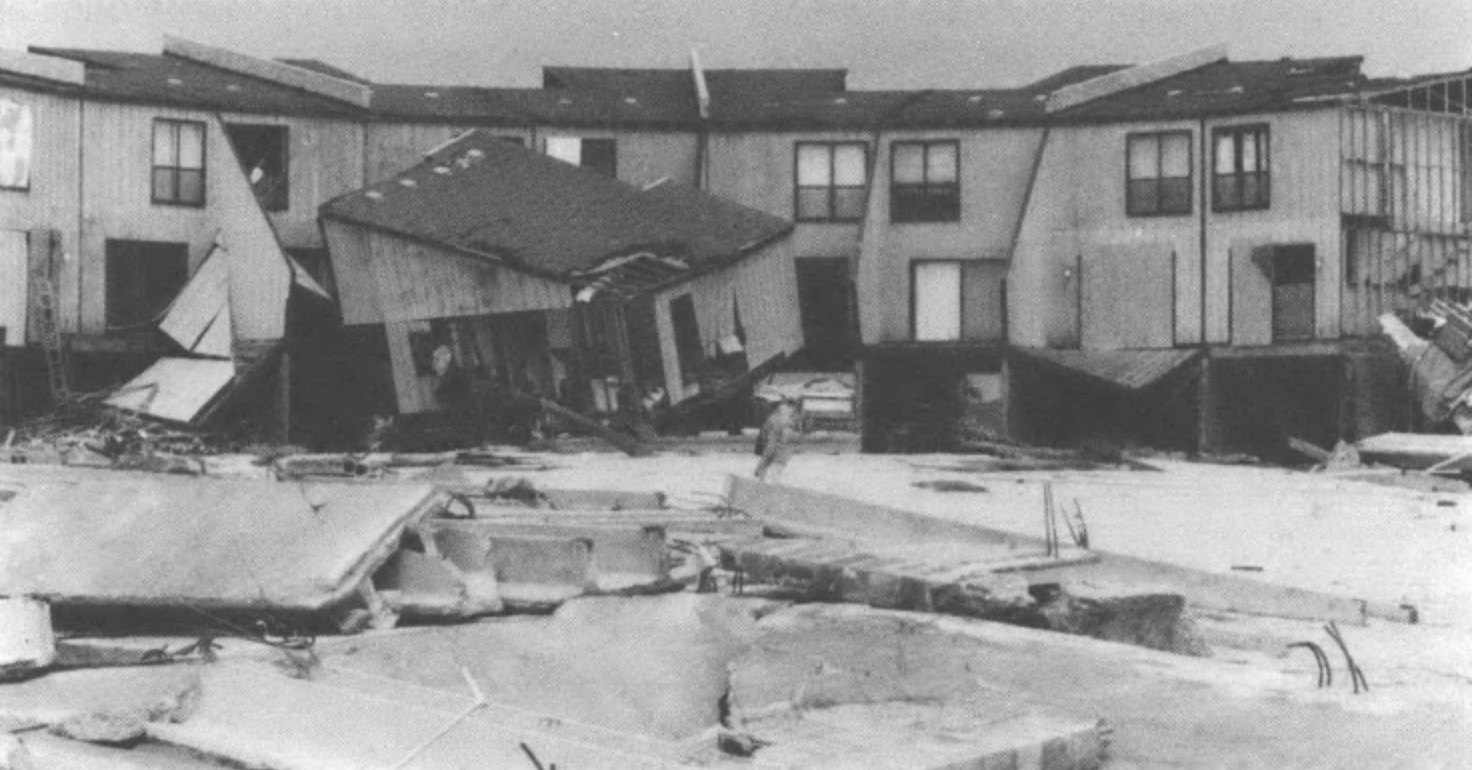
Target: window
(16,136)
(262,151)
(143,277)
(687,337)
(830,181)
(1240,179)
(1158,167)
(953,300)
(178,162)
(925,182)
(601,155)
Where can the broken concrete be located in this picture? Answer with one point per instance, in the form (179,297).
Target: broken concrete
(654,666)
(536,572)
(818,513)
(1131,615)
(158,541)
(625,556)
(112,706)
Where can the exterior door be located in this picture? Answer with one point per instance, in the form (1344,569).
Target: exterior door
(824,298)
(1293,273)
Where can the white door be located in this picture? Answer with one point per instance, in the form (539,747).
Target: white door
(937,310)
(13,286)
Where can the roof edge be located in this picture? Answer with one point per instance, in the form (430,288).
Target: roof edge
(277,72)
(51,68)
(1139,75)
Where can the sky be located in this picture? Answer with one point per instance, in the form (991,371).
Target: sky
(883,43)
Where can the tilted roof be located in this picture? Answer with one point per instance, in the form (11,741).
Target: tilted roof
(482,195)
(1230,87)
(172,80)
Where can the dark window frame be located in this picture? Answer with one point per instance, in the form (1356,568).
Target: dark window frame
(175,170)
(832,187)
(271,200)
(1237,200)
(1158,197)
(925,211)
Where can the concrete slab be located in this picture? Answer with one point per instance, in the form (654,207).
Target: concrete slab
(106,705)
(1165,710)
(822,513)
(541,571)
(653,666)
(254,716)
(140,540)
(624,555)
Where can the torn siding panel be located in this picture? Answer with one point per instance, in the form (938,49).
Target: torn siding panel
(351,254)
(199,318)
(175,389)
(415,391)
(412,281)
(260,280)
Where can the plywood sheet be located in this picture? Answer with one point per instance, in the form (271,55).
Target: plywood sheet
(199,318)
(176,389)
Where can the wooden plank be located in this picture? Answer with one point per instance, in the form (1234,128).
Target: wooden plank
(1132,77)
(52,68)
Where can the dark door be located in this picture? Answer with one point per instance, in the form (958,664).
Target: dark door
(825,300)
(1293,269)
(143,277)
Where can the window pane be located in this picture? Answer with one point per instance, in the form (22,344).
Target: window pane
(1144,157)
(940,163)
(848,203)
(1226,157)
(1227,191)
(1249,150)
(937,308)
(1142,196)
(1175,155)
(191,186)
(909,163)
(848,164)
(164,153)
(163,184)
(1175,196)
(812,203)
(566,148)
(813,165)
(1254,190)
(191,145)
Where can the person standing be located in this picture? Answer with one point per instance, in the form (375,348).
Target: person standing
(775,443)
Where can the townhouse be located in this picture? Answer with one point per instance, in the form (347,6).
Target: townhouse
(1190,252)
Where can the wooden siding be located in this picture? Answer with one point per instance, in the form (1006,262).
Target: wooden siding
(1127,296)
(757,169)
(382,278)
(1405,179)
(324,160)
(53,200)
(1078,217)
(763,286)
(393,147)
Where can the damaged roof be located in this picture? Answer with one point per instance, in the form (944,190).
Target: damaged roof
(172,80)
(1230,87)
(484,195)
(741,99)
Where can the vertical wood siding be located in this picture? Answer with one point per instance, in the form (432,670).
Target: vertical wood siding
(1404,187)
(324,160)
(51,203)
(1078,217)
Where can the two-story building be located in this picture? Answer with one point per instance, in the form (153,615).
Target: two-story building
(1181,252)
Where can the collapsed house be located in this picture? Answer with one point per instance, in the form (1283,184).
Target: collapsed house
(548,279)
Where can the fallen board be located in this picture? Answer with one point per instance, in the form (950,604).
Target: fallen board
(1413,450)
(148,540)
